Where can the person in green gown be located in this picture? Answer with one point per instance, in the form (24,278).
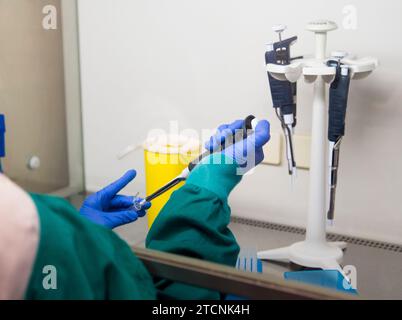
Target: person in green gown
(48,250)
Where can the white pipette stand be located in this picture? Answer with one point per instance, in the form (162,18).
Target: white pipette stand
(315,251)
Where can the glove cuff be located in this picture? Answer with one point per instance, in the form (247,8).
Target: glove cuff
(217,173)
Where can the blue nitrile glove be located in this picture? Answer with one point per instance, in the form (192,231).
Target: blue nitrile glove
(246,153)
(109,209)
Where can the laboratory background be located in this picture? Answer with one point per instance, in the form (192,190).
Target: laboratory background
(144,62)
(81,82)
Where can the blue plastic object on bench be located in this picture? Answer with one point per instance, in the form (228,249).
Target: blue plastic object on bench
(331,279)
(247,261)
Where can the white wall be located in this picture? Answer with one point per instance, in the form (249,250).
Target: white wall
(146,62)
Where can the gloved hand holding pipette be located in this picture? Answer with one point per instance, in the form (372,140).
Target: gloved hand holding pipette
(111,210)
(241,142)
(244,148)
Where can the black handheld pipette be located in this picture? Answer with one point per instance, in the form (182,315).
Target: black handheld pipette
(338,100)
(283,93)
(248,126)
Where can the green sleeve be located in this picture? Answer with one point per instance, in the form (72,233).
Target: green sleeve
(194,223)
(91,262)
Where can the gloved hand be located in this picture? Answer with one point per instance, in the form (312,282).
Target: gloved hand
(246,153)
(111,210)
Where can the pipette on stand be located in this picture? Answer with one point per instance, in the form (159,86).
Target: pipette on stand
(249,124)
(338,100)
(283,93)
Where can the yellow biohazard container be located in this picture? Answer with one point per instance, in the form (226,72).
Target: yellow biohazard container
(165,157)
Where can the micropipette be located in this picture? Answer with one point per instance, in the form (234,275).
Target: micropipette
(249,124)
(338,100)
(283,93)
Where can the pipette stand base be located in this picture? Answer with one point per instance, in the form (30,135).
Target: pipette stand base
(315,251)
(325,255)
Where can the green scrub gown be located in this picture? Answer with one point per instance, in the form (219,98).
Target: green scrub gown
(92,262)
